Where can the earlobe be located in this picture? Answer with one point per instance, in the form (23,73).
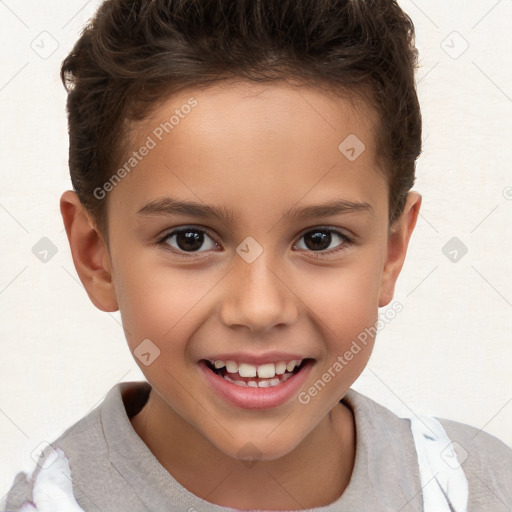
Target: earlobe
(89,251)
(398,241)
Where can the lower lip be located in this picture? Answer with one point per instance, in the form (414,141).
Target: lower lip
(256,398)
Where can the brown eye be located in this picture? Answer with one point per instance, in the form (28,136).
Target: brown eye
(320,240)
(187,240)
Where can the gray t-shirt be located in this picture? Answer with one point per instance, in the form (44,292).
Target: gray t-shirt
(113,470)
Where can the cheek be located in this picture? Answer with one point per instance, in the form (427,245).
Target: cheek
(160,303)
(345,300)
(345,303)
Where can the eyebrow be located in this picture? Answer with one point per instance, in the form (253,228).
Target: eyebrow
(172,206)
(336,207)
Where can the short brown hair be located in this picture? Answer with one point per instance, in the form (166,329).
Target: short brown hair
(135,52)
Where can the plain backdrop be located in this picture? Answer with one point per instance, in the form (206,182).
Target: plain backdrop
(449,351)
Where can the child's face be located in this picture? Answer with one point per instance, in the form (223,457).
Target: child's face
(259,152)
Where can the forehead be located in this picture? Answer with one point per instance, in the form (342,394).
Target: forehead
(241,143)
(271,106)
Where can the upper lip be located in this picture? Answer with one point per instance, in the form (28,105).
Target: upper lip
(256,359)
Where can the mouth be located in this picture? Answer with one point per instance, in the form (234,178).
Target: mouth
(249,386)
(262,376)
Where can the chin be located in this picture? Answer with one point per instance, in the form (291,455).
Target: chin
(252,449)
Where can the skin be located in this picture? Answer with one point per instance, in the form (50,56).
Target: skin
(259,150)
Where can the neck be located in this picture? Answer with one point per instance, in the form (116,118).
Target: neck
(313,474)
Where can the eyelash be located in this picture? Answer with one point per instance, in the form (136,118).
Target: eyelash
(343,246)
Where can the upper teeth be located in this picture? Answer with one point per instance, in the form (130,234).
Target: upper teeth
(263,371)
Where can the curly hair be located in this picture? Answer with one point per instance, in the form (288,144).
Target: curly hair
(134,53)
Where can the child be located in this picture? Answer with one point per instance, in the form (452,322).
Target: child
(242,177)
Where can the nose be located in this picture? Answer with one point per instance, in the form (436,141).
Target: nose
(257,296)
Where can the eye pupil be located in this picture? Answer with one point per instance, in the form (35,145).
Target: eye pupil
(319,239)
(189,240)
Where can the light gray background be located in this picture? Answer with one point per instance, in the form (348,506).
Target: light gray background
(447,353)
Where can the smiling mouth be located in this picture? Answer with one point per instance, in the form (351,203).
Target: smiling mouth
(255,382)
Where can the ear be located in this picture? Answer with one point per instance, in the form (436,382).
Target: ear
(398,240)
(89,251)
